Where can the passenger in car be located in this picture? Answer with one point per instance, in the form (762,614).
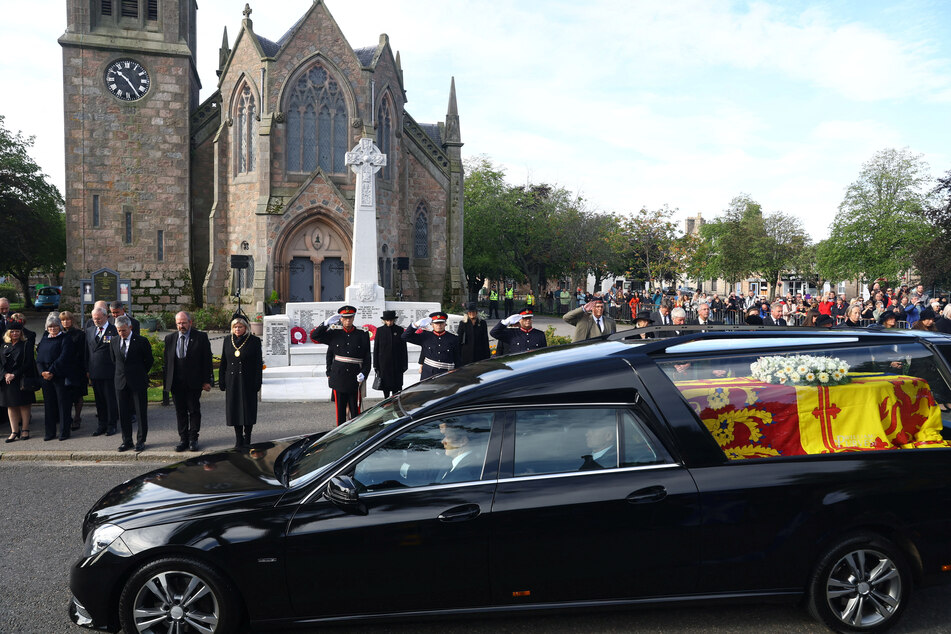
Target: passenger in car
(601,439)
(466,462)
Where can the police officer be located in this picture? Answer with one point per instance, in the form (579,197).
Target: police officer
(351,359)
(530,300)
(521,339)
(509,299)
(493,303)
(440,349)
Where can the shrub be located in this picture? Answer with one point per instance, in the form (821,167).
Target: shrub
(10,291)
(211,318)
(555,340)
(157,372)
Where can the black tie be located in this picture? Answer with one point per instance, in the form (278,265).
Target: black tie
(181,347)
(125,347)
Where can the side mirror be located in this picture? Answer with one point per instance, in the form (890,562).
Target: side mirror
(342,491)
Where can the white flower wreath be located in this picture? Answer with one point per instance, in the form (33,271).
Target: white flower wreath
(801,369)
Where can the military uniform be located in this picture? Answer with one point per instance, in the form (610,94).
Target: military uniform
(518,339)
(351,357)
(440,352)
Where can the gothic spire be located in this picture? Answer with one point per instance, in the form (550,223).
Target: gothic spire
(453,135)
(224,52)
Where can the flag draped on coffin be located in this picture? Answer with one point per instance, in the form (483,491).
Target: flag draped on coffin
(753,419)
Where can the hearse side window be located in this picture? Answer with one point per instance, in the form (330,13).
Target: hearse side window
(571,440)
(824,401)
(448,450)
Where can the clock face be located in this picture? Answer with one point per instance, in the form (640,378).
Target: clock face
(127,79)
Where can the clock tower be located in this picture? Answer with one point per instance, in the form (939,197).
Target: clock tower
(130,85)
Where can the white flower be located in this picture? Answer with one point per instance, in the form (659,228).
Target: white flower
(823,377)
(801,369)
(810,376)
(795,377)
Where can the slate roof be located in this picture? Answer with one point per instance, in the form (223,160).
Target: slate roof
(365,55)
(432,131)
(270,48)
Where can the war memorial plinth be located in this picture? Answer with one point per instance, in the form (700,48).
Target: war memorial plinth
(296,367)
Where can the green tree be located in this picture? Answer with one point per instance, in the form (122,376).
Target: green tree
(488,203)
(650,240)
(31,212)
(880,224)
(932,256)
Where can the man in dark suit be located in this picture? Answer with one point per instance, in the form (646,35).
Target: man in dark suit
(132,355)
(703,317)
(775,317)
(661,316)
(118,310)
(188,372)
(465,459)
(601,439)
(101,370)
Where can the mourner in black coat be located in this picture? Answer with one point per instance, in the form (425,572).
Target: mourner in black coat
(188,372)
(16,361)
(79,383)
(473,336)
(55,361)
(240,376)
(521,339)
(390,360)
(440,348)
(132,355)
(351,362)
(102,371)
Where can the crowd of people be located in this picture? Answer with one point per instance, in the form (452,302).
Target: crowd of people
(890,307)
(109,354)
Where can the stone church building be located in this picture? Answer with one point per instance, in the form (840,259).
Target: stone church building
(165,190)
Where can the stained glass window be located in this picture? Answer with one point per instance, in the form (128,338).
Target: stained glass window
(246,131)
(317,123)
(421,232)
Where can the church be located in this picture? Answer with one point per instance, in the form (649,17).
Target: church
(165,190)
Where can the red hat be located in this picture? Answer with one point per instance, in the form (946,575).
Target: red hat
(438,317)
(347,311)
(527,313)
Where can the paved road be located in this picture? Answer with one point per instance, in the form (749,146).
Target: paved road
(44,503)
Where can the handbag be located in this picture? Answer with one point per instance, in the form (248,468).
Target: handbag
(377,382)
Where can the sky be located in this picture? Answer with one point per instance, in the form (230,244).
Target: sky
(627,103)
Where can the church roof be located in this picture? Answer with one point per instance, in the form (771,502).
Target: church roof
(270,48)
(432,131)
(365,55)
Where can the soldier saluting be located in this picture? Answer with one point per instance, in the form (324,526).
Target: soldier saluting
(521,339)
(350,348)
(440,348)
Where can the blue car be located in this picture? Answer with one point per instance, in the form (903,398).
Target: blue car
(47,298)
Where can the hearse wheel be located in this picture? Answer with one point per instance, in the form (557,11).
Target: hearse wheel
(177,594)
(862,584)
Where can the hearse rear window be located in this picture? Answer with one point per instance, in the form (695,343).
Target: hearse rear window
(824,401)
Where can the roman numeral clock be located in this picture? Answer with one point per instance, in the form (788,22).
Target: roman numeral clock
(127,79)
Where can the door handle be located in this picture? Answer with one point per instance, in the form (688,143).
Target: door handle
(650,494)
(460,513)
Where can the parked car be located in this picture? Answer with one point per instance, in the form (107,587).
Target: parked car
(47,298)
(617,472)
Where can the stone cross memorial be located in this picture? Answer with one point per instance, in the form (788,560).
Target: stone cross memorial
(295,366)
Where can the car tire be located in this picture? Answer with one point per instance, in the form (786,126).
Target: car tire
(861,584)
(178,590)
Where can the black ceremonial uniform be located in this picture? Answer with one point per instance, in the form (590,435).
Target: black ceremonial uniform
(351,356)
(517,340)
(440,353)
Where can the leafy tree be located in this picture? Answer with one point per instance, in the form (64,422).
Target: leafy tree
(880,224)
(932,257)
(604,245)
(488,204)
(727,241)
(650,240)
(31,212)
(780,246)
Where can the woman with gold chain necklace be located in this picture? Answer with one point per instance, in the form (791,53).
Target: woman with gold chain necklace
(240,376)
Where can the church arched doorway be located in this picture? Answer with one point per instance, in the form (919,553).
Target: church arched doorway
(312,261)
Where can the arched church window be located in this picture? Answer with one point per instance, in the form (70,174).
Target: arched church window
(384,134)
(421,232)
(317,123)
(246,131)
